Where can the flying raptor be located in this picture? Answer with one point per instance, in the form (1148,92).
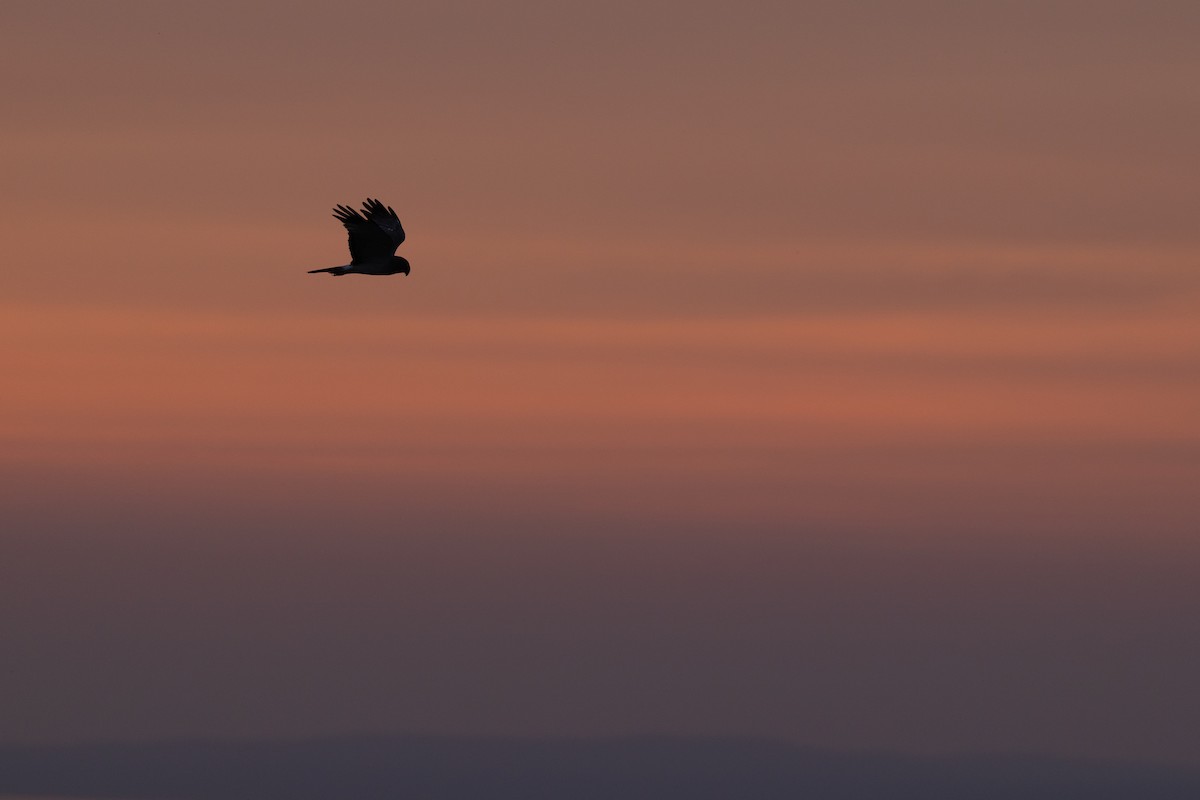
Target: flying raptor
(375,233)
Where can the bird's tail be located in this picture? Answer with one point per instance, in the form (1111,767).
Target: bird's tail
(330,270)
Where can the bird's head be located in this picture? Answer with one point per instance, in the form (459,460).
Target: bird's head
(399,265)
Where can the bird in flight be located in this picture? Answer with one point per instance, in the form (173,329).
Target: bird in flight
(375,233)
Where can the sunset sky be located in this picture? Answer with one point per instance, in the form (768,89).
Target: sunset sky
(820,371)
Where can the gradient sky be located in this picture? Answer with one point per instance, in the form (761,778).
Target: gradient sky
(828,371)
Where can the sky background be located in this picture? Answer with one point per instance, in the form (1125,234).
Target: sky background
(822,371)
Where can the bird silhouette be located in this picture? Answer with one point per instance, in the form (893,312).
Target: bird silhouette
(375,233)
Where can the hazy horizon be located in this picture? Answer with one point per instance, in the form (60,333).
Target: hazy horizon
(455,768)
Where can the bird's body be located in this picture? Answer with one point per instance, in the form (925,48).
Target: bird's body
(375,233)
(392,266)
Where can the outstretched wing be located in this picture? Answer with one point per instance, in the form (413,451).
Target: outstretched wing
(368,240)
(386,219)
